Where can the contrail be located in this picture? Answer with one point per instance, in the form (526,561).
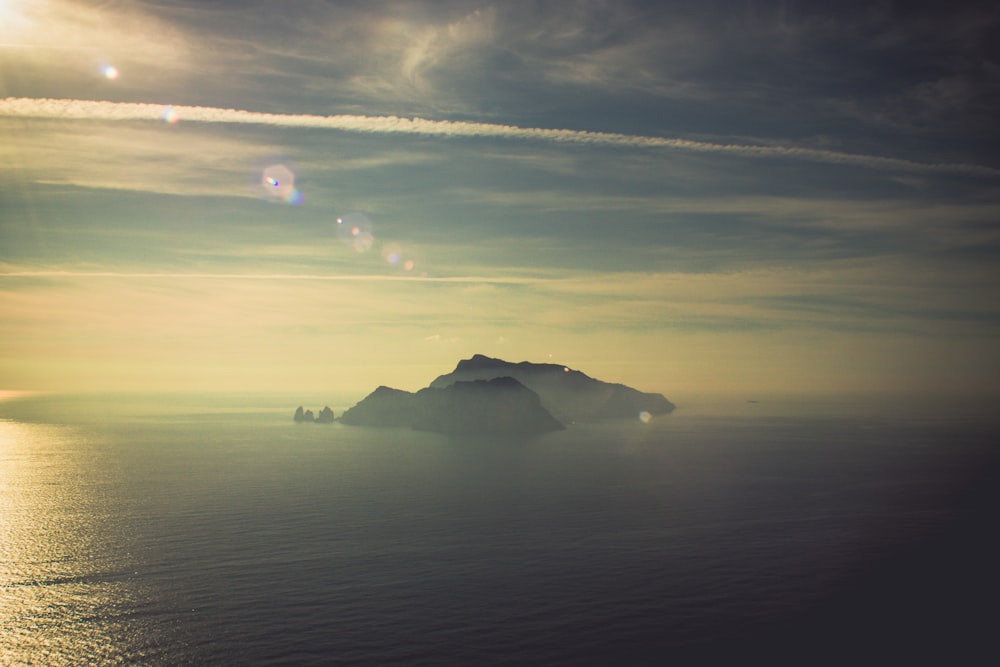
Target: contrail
(131,111)
(60,273)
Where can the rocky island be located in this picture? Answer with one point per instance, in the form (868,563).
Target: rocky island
(487,395)
(325,416)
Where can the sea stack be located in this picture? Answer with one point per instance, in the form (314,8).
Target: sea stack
(325,415)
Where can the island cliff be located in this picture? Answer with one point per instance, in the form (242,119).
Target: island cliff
(486,395)
(499,405)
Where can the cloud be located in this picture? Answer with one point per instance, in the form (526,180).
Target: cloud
(855,294)
(131,111)
(121,157)
(436,44)
(858,214)
(438,339)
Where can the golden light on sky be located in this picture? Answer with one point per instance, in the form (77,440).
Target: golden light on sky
(174,177)
(12,20)
(781,217)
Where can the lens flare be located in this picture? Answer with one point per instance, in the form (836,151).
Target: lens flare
(645,417)
(355,230)
(110,72)
(392,253)
(169,115)
(277,184)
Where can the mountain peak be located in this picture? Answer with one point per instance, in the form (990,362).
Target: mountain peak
(568,394)
(480,361)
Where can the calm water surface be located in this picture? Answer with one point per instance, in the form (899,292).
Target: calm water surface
(218,532)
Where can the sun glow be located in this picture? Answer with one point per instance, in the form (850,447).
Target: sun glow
(14,394)
(13,22)
(82,38)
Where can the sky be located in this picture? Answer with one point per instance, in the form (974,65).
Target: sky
(748,198)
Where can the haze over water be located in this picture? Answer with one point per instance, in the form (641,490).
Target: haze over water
(213,530)
(721,202)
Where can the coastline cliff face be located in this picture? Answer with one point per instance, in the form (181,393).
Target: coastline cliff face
(383,407)
(570,395)
(499,406)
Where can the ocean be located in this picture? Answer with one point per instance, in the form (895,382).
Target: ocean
(189,530)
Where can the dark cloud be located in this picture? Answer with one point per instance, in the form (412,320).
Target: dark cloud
(882,77)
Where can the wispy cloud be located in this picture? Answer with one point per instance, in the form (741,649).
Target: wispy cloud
(128,111)
(826,212)
(109,156)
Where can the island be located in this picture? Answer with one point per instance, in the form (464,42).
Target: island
(487,395)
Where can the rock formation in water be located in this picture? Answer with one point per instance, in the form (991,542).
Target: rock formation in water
(325,416)
(570,395)
(498,406)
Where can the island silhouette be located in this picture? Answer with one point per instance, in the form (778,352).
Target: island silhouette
(488,395)
(325,415)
